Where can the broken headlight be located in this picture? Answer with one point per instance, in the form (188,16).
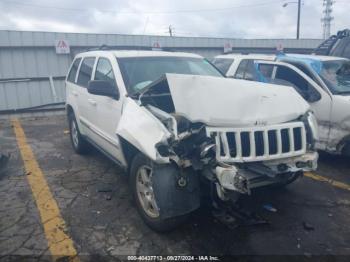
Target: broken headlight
(312,122)
(311,127)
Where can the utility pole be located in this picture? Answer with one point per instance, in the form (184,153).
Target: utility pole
(170,30)
(327,18)
(298,22)
(299,10)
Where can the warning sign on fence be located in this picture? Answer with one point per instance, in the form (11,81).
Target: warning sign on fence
(156,46)
(227,48)
(62,47)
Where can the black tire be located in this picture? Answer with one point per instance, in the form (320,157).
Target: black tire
(346,150)
(79,144)
(292,178)
(156,223)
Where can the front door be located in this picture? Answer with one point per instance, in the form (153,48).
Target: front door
(104,112)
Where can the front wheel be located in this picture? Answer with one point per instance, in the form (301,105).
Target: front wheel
(141,184)
(289,178)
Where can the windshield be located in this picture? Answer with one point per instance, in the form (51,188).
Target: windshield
(138,72)
(336,75)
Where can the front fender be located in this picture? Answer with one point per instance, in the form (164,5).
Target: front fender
(143,130)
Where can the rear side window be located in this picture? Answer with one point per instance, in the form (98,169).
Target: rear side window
(73,71)
(223,64)
(246,70)
(104,71)
(251,71)
(85,71)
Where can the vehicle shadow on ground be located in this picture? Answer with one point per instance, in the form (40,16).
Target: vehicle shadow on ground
(338,160)
(201,222)
(284,208)
(334,166)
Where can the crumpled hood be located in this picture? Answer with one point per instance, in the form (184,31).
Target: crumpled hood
(230,102)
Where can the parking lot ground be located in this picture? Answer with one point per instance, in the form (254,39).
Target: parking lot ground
(94,203)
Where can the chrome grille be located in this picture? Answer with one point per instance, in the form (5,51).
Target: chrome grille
(259,143)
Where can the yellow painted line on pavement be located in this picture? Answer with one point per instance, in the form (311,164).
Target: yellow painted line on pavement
(327,180)
(59,242)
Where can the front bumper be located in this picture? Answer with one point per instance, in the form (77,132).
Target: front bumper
(306,162)
(247,176)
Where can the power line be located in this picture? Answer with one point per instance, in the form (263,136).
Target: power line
(145,12)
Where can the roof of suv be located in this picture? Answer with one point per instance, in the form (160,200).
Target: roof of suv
(273,57)
(315,57)
(243,56)
(142,53)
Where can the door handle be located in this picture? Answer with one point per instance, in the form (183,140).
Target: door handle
(75,93)
(92,102)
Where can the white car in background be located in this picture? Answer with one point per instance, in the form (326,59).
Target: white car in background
(323,81)
(181,130)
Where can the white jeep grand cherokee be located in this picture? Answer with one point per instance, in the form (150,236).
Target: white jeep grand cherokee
(181,130)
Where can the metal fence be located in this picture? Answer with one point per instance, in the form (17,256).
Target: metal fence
(32,74)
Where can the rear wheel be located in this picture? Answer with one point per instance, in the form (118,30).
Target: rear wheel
(79,144)
(141,184)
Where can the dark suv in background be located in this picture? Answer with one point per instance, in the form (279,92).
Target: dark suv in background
(336,45)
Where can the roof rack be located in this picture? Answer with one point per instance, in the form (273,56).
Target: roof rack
(343,33)
(326,46)
(101,47)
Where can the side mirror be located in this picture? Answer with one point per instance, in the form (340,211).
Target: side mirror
(103,88)
(313,96)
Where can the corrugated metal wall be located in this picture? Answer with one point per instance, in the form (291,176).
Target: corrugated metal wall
(27,59)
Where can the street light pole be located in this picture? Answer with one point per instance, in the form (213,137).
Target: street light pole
(298,23)
(299,9)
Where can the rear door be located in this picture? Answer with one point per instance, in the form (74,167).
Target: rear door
(83,78)
(71,86)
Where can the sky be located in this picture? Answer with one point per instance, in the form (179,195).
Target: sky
(207,18)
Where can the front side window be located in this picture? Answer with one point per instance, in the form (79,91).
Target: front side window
(306,71)
(104,71)
(287,76)
(223,64)
(291,76)
(85,71)
(73,71)
(336,75)
(138,72)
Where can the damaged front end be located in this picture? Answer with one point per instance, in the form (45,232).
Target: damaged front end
(231,154)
